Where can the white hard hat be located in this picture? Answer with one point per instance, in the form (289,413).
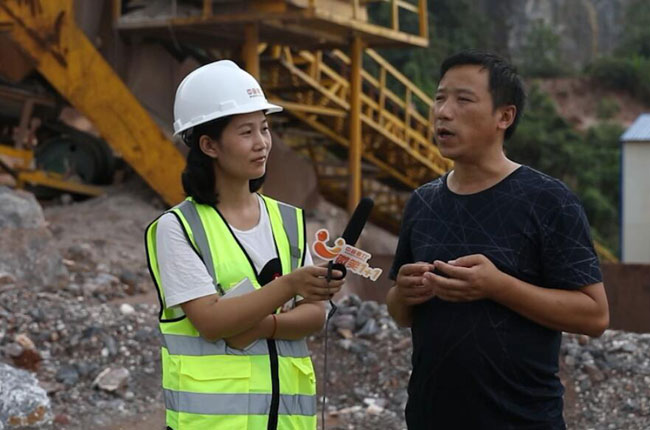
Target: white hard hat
(216,90)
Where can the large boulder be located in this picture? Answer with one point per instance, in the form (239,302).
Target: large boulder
(23,403)
(27,253)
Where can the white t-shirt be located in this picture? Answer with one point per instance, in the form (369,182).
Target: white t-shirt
(182,273)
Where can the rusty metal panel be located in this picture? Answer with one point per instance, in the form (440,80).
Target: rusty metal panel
(628,292)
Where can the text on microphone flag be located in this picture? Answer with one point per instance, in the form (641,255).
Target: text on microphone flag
(353,258)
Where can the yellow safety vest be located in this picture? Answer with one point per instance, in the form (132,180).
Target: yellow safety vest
(208,385)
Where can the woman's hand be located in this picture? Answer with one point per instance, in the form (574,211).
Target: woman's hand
(309,282)
(262,330)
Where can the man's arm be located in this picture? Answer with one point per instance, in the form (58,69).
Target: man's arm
(475,277)
(408,291)
(400,311)
(577,311)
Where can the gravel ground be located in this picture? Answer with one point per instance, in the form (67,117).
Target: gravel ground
(69,335)
(607,379)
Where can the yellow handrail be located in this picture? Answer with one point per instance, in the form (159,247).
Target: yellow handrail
(405,120)
(411,111)
(418,7)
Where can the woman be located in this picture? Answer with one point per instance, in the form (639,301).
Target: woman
(230,360)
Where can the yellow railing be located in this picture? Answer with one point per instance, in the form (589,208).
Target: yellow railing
(418,7)
(398,128)
(604,253)
(395,116)
(406,118)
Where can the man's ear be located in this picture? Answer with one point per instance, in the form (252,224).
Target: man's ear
(507,116)
(208,146)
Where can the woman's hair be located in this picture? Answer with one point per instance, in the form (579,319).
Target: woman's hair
(198,178)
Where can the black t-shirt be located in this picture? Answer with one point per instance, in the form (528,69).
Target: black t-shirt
(479,365)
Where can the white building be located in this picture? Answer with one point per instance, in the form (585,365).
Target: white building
(635,195)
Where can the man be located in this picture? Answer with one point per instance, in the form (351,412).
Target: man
(494,261)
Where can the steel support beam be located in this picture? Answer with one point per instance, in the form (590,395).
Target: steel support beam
(355,150)
(250,54)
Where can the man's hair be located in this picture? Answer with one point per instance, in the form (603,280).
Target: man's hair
(505,85)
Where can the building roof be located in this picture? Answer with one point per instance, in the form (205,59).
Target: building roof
(639,130)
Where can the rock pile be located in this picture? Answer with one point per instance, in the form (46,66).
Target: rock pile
(91,360)
(611,378)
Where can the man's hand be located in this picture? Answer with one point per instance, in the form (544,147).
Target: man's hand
(410,287)
(470,278)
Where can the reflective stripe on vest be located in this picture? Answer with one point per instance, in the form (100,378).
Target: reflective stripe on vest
(195,346)
(237,404)
(290,223)
(200,239)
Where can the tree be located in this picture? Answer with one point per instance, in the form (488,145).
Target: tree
(540,54)
(636,33)
(544,140)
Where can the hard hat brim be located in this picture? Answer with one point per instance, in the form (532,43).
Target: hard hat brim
(267,107)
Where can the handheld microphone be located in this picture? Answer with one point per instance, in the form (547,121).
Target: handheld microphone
(353,229)
(357,221)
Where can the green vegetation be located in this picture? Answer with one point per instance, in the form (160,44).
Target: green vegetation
(540,56)
(636,35)
(598,181)
(588,163)
(607,108)
(628,69)
(630,74)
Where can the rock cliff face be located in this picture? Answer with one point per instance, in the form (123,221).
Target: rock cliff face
(586,28)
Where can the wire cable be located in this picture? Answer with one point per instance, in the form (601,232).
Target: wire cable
(331,312)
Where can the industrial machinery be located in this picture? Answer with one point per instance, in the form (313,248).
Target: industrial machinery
(39,151)
(365,126)
(375,124)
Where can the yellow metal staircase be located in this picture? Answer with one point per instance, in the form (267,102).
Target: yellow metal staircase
(397,145)
(391,151)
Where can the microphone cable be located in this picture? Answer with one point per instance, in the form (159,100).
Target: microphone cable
(331,313)
(350,235)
